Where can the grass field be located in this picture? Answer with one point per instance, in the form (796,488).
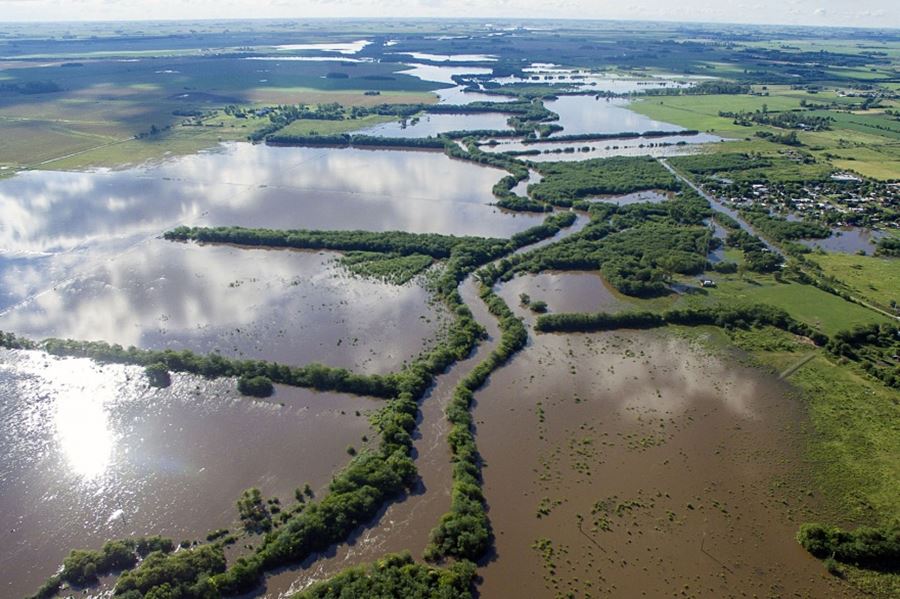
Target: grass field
(824,311)
(104,103)
(311,126)
(854,435)
(864,142)
(875,279)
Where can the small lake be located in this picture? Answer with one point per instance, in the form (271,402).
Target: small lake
(95,454)
(848,240)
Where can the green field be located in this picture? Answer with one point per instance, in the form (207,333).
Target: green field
(824,311)
(864,142)
(875,279)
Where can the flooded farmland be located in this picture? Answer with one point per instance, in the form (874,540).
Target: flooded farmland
(95,453)
(611,457)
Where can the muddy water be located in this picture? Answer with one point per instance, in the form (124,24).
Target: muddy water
(638,197)
(57,223)
(403,525)
(632,465)
(288,306)
(564,292)
(90,453)
(406,524)
(521,187)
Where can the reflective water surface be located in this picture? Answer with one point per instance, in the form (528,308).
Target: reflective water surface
(848,240)
(585,114)
(57,223)
(288,306)
(629,465)
(427,125)
(90,453)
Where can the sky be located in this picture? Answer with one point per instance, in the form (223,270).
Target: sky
(861,13)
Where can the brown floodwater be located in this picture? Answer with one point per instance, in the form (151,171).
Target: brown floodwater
(90,452)
(635,464)
(404,524)
(564,292)
(293,307)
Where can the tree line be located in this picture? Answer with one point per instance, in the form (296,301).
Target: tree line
(722,315)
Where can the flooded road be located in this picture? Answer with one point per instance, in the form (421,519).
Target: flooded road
(633,464)
(89,453)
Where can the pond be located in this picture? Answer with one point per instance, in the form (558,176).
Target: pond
(848,240)
(96,454)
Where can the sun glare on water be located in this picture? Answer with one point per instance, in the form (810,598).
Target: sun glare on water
(82,424)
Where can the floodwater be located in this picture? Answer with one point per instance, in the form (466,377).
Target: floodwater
(452,57)
(406,524)
(428,125)
(340,47)
(456,94)
(587,80)
(90,452)
(563,292)
(633,464)
(58,223)
(638,197)
(521,187)
(848,240)
(671,145)
(293,307)
(585,114)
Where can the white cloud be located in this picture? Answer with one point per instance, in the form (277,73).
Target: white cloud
(875,13)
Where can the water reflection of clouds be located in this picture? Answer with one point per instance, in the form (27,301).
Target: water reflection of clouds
(680,377)
(288,306)
(84,219)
